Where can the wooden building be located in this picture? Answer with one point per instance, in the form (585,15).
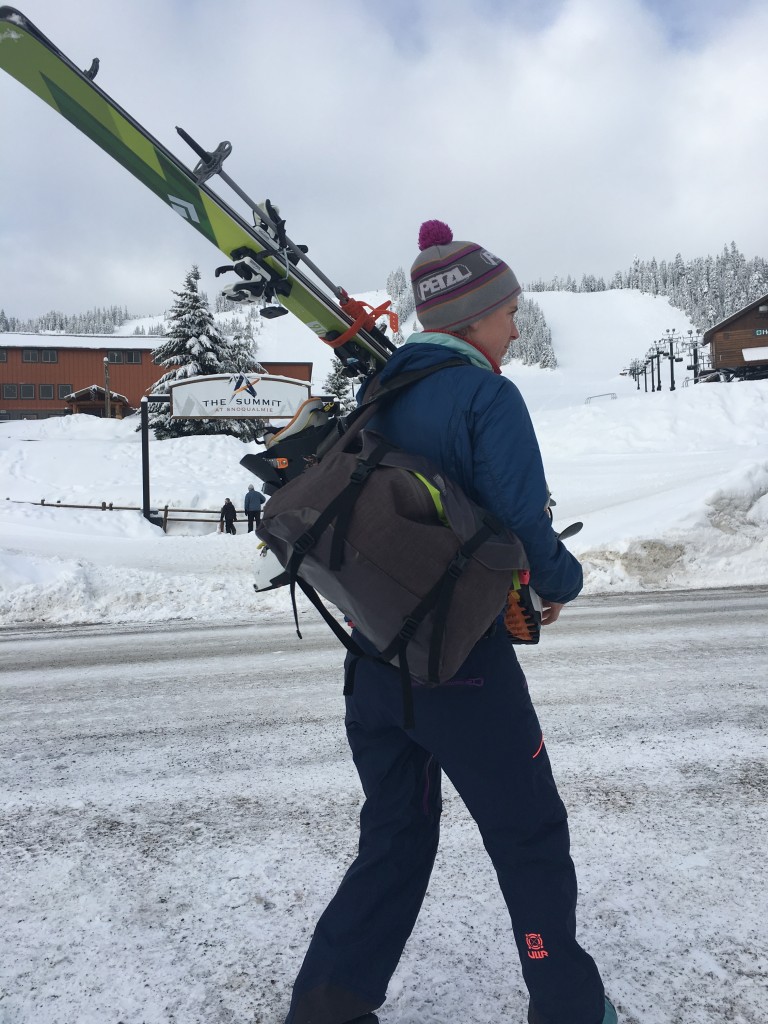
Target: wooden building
(738,345)
(38,372)
(93,401)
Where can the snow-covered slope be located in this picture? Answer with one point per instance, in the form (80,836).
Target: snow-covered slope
(672,486)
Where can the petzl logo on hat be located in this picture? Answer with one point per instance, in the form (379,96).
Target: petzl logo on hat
(455,283)
(447,279)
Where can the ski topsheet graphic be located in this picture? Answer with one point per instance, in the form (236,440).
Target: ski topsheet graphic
(265,259)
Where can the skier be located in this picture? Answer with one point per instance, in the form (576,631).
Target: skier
(481,728)
(252,504)
(228,516)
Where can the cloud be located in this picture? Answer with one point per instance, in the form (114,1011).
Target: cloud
(566,136)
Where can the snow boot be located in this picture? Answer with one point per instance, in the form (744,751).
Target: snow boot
(608,1018)
(610,1013)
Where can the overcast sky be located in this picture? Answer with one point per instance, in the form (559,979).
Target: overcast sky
(567,136)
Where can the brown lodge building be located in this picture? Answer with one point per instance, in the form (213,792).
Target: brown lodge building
(739,344)
(44,375)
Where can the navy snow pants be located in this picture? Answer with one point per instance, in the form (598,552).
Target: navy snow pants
(482,731)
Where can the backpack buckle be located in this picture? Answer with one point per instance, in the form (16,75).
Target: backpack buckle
(304,543)
(408,628)
(361,472)
(458,565)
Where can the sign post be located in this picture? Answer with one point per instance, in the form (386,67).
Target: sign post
(222,396)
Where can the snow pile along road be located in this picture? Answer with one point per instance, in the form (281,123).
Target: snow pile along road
(672,487)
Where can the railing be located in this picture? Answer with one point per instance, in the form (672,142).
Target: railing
(204,515)
(607,394)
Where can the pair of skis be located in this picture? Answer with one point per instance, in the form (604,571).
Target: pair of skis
(271,269)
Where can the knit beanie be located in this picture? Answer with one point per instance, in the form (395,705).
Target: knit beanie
(456,283)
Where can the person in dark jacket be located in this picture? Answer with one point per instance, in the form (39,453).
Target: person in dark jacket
(228,516)
(481,729)
(252,504)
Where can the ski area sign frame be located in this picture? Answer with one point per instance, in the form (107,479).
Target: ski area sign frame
(237,396)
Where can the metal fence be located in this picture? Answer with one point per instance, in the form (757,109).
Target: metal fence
(162,516)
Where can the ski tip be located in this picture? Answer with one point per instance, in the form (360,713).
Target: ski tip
(570,531)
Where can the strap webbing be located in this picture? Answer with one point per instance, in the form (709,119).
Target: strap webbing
(443,604)
(406,686)
(439,594)
(355,421)
(338,630)
(352,492)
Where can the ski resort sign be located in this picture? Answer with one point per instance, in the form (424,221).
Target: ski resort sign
(237,396)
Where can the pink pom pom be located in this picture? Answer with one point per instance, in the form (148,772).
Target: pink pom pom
(434,232)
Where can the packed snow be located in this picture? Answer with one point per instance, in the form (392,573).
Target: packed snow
(178,803)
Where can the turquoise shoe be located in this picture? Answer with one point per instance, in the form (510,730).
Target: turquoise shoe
(608,1018)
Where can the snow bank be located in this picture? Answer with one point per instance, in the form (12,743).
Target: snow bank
(672,487)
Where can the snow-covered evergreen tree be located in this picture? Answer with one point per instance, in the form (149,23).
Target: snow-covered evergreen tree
(534,346)
(195,347)
(400,292)
(339,386)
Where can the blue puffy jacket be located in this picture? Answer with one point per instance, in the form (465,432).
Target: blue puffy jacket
(253,500)
(475,426)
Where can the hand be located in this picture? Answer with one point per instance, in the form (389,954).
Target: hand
(550,612)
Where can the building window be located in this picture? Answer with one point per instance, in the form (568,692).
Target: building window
(3,355)
(132,356)
(115,357)
(10,391)
(49,355)
(761,311)
(46,391)
(27,391)
(64,390)
(30,355)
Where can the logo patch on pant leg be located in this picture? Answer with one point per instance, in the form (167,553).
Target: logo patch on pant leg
(535,945)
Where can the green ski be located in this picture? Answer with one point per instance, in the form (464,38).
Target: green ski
(270,266)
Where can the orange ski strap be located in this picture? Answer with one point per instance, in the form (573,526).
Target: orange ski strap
(364,317)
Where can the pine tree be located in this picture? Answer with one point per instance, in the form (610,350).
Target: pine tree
(403,303)
(194,347)
(339,386)
(534,346)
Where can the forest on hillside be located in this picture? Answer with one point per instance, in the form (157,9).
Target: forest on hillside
(94,321)
(708,289)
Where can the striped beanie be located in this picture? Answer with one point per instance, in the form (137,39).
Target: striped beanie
(457,283)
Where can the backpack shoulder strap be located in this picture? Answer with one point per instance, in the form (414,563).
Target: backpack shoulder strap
(354,422)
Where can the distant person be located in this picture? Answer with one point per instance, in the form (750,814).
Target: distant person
(228,516)
(252,503)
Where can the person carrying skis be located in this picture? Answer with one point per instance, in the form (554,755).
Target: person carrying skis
(481,729)
(252,504)
(228,516)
